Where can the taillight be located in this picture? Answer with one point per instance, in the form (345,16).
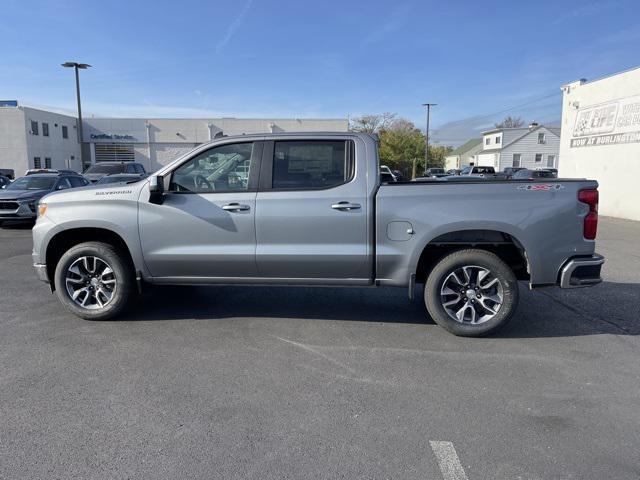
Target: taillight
(590,197)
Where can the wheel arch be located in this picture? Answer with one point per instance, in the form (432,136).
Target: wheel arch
(505,245)
(66,239)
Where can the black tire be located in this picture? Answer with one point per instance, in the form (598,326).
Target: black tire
(122,272)
(454,263)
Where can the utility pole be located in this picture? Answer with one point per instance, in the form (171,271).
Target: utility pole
(76,66)
(426,148)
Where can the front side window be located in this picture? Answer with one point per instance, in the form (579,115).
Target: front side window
(309,164)
(63,184)
(219,169)
(34,127)
(45,129)
(538,157)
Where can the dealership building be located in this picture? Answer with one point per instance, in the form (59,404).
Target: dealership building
(33,138)
(600,139)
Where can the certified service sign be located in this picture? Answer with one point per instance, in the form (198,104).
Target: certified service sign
(608,124)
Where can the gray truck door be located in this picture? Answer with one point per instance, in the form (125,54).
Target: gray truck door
(311,212)
(205,226)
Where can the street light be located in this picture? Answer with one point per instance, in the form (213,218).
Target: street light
(78,66)
(426,148)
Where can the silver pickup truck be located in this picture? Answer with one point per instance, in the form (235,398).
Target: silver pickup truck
(309,209)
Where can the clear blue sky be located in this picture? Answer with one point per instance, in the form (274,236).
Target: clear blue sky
(314,59)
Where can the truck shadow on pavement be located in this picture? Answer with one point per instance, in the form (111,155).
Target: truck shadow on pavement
(609,308)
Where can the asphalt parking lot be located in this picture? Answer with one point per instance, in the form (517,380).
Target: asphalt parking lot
(264,382)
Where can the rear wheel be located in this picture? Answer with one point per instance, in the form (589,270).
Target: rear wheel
(94,281)
(471,293)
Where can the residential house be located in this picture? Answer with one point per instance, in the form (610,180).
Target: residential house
(464,155)
(533,147)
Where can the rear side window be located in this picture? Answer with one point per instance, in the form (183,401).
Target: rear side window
(310,164)
(77,182)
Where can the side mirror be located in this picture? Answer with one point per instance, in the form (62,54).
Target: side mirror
(156,189)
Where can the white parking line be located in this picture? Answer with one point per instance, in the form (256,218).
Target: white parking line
(448,461)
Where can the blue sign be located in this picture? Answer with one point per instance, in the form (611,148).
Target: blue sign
(8,103)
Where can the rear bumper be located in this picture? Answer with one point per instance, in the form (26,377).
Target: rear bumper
(581,272)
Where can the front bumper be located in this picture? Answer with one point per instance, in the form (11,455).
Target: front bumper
(581,272)
(41,272)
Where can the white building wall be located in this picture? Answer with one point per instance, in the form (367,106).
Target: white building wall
(64,152)
(13,140)
(601,139)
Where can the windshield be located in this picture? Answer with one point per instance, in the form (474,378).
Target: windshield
(33,183)
(108,169)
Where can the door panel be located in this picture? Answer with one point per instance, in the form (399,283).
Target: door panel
(193,236)
(309,233)
(205,226)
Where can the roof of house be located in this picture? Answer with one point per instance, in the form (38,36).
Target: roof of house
(465,147)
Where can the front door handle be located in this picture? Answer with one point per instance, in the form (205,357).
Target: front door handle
(236,207)
(345,206)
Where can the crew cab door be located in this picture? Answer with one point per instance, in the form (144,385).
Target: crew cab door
(205,226)
(312,212)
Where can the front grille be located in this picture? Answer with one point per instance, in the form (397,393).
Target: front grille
(9,205)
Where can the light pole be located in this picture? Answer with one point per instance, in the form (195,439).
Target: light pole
(78,66)
(426,148)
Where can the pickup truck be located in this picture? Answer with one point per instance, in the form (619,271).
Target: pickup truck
(309,209)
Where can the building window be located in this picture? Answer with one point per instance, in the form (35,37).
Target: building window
(498,139)
(47,160)
(45,129)
(34,127)
(487,140)
(516,160)
(551,161)
(542,138)
(36,162)
(65,131)
(538,157)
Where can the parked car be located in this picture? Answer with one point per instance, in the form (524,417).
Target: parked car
(120,178)
(477,171)
(527,174)
(99,170)
(7,172)
(4,181)
(305,222)
(509,171)
(19,200)
(435,172)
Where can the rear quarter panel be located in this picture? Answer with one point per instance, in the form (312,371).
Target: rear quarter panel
(547,221)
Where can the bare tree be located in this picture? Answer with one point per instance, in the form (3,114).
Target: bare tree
(510,122)
(372,123)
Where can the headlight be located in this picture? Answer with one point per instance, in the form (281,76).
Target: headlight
(42,209)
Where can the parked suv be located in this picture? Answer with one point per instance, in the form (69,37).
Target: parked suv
(99,170)
(19,200)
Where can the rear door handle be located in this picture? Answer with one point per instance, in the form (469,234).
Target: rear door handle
(345,206)
(236,207)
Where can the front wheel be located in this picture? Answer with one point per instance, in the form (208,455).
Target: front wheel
(94,280)
(471,293)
